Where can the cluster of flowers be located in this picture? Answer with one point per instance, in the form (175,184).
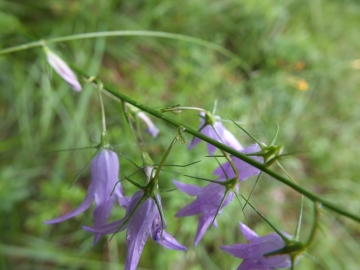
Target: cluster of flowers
(144,216)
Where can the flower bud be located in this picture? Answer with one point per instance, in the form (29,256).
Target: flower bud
(151,128)
(63,70)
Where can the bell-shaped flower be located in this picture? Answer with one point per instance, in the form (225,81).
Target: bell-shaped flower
(212,127)
(151,128)
(245,170)
(253,252)
(142,219)
(104,189)
(209,202)
(62,69)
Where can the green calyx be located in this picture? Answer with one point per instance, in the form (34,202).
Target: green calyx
(292,248)
(104,141)
(134,110)
(209,118)
(270,153)
(230,184)
(147,161)
(152,188)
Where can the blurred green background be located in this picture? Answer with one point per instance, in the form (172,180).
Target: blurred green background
(302,67)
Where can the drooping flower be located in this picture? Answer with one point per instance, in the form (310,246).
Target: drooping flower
(151,128)
(206,204)
(253,252)
(245,170)
(212,127)
(62,69)
(208,198)
(104,177)
(141,223)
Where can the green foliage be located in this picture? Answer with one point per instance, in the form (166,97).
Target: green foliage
(300,72)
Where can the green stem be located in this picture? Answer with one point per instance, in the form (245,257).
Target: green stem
(126,114)
(310,195)
(141,33)
(103,118)
(161,164)
(189,109)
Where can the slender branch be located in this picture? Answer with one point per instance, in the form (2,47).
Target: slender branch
(310,195)
(143,33)
(103,118)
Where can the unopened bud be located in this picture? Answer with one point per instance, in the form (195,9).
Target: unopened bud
(63,70)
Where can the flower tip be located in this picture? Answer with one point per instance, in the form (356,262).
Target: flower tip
(52,221)
(76,86)
(151,128)
(182,248)
(96,238)
(153,131)
(88,228)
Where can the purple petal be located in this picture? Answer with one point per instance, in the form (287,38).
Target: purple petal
(193,143)
(230,140)
(124,201)
(203,225)
(153,131)
(104,175)
(108,228)
(114,226)
(216,132)
(253,252)
(159,235)
(253,264)
(189,189)
(207,204)
(226,136)
(170,242)
(83,206)
(247,232)
(278,261)
(211,149)
(156,228)
(138,232)
(237,250)
(151,128)
(101,215)
(245,170)
(267,243)
(219,133)
(215,224)
(119,193)
(208,201)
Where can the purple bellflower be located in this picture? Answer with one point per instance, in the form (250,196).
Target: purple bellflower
(151,128)
(225,171)
(208,198)
(104,177)
(212,127)
(206,204)
(63,69)
(140,222)
(253,252)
